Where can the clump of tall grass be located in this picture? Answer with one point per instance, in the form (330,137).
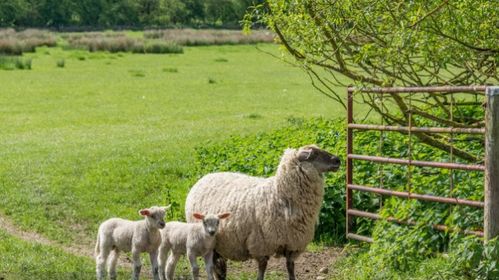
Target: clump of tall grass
(198,37)
(61,63)
(14,62)
(119,42)
(15,43)
(157,47)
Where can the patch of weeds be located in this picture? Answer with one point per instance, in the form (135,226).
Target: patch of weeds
(13,62)
(81,58)
(61,63)
(170,70)
(211,81)
(253,116)
(221,60)
(137,73)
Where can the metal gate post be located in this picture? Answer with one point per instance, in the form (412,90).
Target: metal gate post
(491,215)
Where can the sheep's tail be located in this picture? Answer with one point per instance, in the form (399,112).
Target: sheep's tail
(97,245)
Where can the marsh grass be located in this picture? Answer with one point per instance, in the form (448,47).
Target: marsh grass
(16,43)
(200,37)
(119,42)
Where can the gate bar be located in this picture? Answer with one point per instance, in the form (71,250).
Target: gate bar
(417,129)
(446,89)
(359,213)
(425,197)
(446,165)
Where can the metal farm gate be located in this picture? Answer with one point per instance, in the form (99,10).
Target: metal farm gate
(491,166)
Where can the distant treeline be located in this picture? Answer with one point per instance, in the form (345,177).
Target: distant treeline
(74,14)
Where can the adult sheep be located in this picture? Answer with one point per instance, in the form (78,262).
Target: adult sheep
(273,216)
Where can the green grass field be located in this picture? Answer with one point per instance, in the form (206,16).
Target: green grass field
(108,134)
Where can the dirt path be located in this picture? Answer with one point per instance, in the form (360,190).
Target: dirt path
(307,266)
(76,249)
(84,248)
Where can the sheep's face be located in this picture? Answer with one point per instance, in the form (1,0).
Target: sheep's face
(322,160)
(211,222)
(155,216)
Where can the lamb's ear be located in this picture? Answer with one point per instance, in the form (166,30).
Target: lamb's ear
(223,215)
(145,212)
(167,207)
(306,154)
(198,216)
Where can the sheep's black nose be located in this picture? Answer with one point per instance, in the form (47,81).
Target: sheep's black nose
(336,160)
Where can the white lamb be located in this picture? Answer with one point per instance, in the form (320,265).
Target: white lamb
(270,216)
(136,236)
(194,239)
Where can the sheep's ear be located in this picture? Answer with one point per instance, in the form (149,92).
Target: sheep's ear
(306,154)
(145,212)
(223,215)
(167,207)
(198,216)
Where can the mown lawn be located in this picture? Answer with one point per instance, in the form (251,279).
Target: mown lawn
(108,134)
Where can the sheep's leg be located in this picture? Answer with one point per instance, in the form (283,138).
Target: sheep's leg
(290,265)
(136,264)
(100,261)
(162,256)
(208,263)
(170,265)
(220,266)
(262,266)
(113,260)
(194,265)
(153,256)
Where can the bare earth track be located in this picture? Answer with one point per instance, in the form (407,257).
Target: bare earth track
(307,266)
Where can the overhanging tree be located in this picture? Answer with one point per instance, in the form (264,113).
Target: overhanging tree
(391,43)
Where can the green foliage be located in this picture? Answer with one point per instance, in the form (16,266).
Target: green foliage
(108,13)
(400,42)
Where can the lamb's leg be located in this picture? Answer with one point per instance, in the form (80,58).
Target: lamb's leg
(208,263)
(153,256)
(220,266)
(136,264)
(112,264)
(262,266)
(162,256)
(194,265)
(170,265)
(100,261)
(290,265)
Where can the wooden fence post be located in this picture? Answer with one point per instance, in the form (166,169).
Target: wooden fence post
(491,210)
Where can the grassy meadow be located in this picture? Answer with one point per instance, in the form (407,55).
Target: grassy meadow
(91,135)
